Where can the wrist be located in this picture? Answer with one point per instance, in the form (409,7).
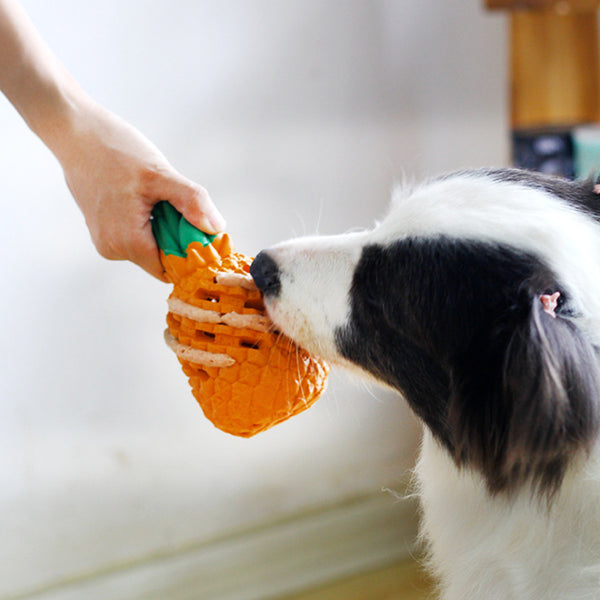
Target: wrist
(56,118)
(33,79)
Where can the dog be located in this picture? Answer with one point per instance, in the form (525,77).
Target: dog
(478,299)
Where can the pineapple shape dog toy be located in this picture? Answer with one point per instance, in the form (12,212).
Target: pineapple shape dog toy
(246,376)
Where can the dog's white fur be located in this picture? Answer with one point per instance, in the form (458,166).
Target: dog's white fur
(498,548)
(483,547)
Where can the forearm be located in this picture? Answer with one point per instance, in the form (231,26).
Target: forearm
(33,79)
(114,173)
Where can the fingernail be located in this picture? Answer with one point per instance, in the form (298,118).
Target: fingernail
(217,221)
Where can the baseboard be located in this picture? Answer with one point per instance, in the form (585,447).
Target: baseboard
(267,562)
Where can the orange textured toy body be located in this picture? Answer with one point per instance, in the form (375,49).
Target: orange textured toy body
(245,376)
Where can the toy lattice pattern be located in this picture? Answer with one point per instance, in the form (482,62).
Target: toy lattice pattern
(245,376)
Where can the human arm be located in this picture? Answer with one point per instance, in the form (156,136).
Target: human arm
(114,173)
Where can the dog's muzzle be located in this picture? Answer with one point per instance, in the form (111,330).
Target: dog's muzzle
(265,272)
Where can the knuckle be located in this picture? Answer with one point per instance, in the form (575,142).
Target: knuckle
(108,248)
(152,171)
(148,176)
(201,193)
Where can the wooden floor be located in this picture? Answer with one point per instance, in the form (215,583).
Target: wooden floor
(402,581)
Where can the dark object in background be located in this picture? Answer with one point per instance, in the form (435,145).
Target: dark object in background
(554,83)
(544,150)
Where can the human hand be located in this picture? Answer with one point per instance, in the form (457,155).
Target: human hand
(116,177)
(114,173)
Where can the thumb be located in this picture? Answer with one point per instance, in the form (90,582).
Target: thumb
(192,201)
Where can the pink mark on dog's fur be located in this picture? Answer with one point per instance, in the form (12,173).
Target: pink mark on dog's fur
(550,302)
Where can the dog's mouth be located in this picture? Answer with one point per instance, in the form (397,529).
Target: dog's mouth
(299,296)
(267,277)
(293,323)
(294,326)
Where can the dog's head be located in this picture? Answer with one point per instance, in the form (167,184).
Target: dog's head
(478,298)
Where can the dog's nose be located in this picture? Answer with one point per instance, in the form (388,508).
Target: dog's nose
(265,272)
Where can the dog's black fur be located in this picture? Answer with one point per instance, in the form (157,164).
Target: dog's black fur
(450,300)
(459,329)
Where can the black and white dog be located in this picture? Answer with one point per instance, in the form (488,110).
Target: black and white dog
(478,299)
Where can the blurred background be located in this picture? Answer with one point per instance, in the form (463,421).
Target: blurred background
(298,117)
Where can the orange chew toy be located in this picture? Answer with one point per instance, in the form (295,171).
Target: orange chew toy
(246,376)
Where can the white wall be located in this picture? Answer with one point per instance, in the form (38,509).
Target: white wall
(297,116)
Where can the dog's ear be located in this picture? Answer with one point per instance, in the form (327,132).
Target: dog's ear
(549,396)
(527,402)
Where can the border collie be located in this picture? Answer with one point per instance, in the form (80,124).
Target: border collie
(478,299)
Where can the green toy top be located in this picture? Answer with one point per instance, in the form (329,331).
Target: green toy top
(173,233)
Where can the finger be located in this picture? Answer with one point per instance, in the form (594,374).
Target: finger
(193,202)
(146,255)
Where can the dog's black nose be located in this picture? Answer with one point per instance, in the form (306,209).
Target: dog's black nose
(265,272)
